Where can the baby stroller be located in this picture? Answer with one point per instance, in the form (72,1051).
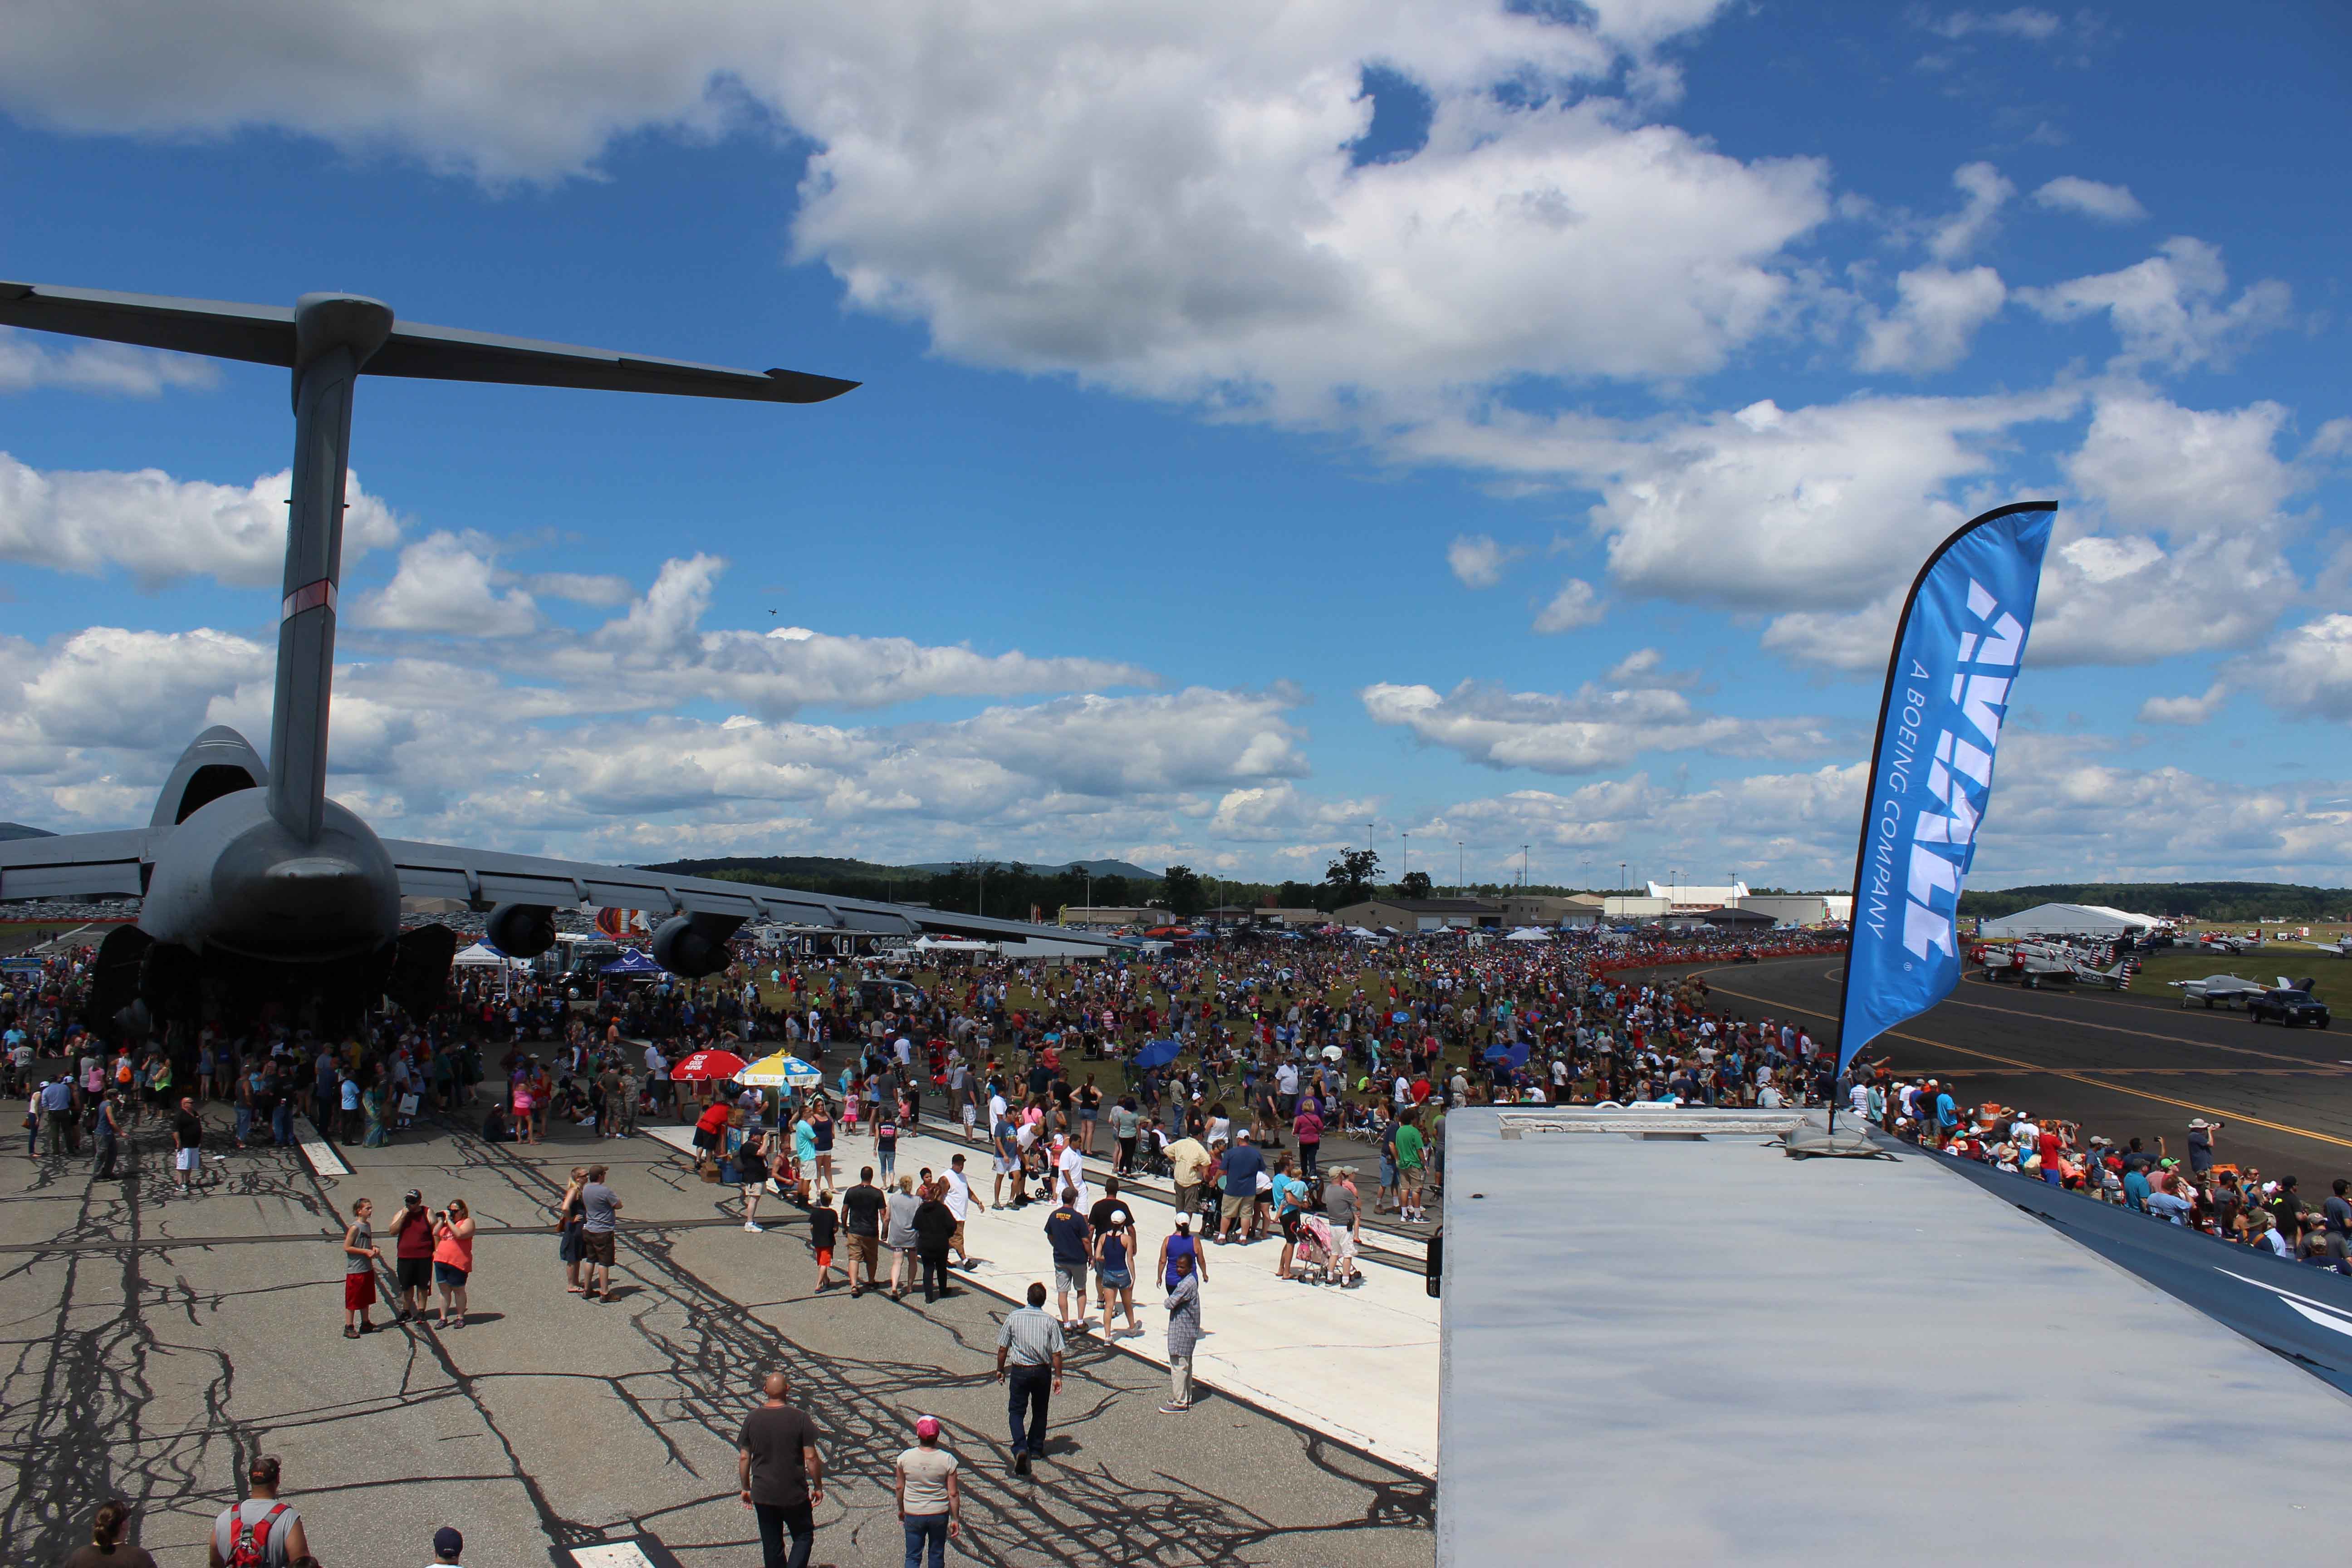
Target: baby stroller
(1317,1261)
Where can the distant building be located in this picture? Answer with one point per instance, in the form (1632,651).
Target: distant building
(1424,914)
(1550,910)
(1693,900)
(1636,907)
(1800,908)
(1111,917)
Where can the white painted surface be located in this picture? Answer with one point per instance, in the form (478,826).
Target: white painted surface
(318,1151)
(618,1555)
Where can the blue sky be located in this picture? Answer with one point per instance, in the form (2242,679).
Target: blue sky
(1510,427)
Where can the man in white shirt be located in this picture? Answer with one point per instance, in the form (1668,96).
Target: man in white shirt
(1072,1168)
(959,1200)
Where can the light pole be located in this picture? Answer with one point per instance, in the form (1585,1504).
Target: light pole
(1407,869)
(1461,862)
(1523,868)
(980,876)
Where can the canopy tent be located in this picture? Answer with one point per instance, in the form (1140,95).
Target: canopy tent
(2067,920)
(780,1069)
(482,955)
(1529,933)
(636,961)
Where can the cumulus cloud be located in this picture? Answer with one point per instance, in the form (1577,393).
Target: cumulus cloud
(1160,199)
(2307,672)
(2168,310)
(444,584)
(1476,561)
(30,360)
(2091,199)
(659,651)
(1574,607)
(2184,710)
(1983,192)
(1590,728)
(161,529)
(2174,544)
(1929,330)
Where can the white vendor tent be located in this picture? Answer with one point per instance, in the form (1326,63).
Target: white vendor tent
(482,955)
(2068,919)
(1529,933)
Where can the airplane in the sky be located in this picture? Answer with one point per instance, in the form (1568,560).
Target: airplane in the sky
(249,876)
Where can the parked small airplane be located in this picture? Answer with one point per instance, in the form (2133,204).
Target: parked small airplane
(2033,964)
(2219,990)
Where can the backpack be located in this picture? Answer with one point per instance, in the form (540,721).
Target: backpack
(249,1543)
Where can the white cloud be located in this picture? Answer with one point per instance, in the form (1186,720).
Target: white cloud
(2027,22)
(1590,728)
(1476,561)
(659,653)
(2305,672)
(1640,661)
(1771,509)
(2184,710)
(579,587)
(108,687)
(30,360)
(2091,199)
(1984,192)
(161,529)
(444,584)
(1930,329)
(2168,309)
(1160,199)
(1574,607)
(2176,545)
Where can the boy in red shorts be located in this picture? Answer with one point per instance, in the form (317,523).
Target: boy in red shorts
(361,1256)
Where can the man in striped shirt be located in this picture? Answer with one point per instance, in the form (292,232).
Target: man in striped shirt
(1029,1363)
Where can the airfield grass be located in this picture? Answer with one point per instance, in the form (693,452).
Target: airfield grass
(2263,965)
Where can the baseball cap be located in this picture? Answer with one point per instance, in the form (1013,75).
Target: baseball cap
(1241,1133)
(927,1426)
(447,1542)
(413,1194)
(1183,1222)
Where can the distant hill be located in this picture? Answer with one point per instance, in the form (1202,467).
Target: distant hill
(19,830)
(2197,901)
(805,866)
(1091,868)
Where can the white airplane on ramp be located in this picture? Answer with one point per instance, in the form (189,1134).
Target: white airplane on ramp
(2219,990)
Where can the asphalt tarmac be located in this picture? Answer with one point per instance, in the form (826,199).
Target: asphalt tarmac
(2122,1066)
(154,1342)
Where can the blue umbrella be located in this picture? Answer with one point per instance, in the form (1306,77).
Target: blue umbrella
(1512,1057)
(1157,1054)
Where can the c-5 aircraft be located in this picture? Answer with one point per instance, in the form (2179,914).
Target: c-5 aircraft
(251,879)
(2218,990)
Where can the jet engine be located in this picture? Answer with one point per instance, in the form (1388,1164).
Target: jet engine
(520,931)
(691,946)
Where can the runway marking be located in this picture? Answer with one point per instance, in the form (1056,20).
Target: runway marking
(2057,1072)
(618,1555)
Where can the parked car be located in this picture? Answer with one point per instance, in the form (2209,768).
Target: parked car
(2288,1007)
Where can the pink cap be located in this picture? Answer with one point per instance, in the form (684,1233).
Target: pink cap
(927,1426)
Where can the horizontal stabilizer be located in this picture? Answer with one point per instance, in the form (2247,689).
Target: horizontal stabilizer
(264,334)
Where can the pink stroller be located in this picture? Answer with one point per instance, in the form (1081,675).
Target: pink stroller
(1318,1259)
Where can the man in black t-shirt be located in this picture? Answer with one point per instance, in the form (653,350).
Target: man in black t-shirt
(862,1207)
(781,1473)
(188,1145)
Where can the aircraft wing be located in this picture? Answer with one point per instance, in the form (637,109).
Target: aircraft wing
(73,866)
(486,877)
